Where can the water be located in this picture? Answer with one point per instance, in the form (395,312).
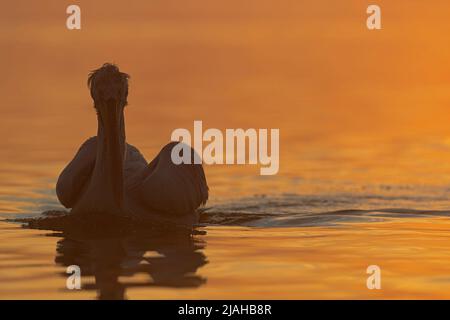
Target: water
(364,146)
(289,246)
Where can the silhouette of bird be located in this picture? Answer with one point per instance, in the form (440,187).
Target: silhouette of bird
(109,176)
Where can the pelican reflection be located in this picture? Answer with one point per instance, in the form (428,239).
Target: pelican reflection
(165,260)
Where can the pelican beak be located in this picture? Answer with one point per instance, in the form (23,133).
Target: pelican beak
(112,118)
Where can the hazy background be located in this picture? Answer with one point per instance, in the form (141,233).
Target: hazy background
(358,110)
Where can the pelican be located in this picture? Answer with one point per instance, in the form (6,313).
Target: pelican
(111,177)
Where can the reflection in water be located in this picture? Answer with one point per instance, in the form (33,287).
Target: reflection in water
(169,260)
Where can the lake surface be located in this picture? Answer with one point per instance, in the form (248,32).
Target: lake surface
(364,146)
(286,247)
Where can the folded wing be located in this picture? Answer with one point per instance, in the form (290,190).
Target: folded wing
(75,176)
(175,189)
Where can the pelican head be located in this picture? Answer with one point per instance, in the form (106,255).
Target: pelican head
(108,86)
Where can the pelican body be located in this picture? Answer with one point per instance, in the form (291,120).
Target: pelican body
(109,176)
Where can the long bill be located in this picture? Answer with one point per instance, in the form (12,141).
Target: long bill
(110,152)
